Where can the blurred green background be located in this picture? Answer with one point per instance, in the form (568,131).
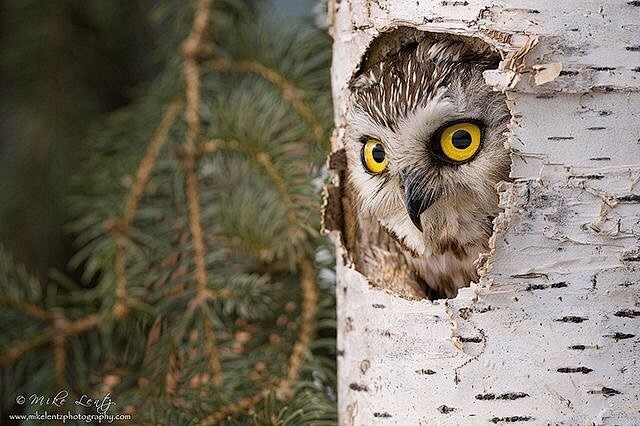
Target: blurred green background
(93,300)
(65,65)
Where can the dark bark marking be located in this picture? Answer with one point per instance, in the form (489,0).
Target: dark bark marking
(583,347)
(602,68)
(486,396)
(560,138)
(632,48)
(348,325)
(445,410)
(378,306)
(596,128)
(605,391)
(465,313)
(530,275)
(573,319)
(454,3)
(589,177)
(583,370)
(470,339)
(567,72)
(511,419)
(631,198)
(634,3)
(436,20)
(627,313)
(531,287)
(383,415)
(506,396)
(358,387)
(600,159)
(427,372)
(620,336)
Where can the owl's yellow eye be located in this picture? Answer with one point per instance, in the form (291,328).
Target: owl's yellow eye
(374,158)
(460,142)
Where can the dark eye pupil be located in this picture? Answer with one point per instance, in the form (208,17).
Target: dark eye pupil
(378,153)
(461,139)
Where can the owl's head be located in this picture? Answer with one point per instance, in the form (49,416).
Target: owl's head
(426,143)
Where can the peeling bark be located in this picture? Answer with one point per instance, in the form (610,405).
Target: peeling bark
(549,334)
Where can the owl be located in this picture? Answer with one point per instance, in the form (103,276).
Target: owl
(426,147)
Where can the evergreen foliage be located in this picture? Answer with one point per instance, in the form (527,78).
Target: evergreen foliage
(64,64)
(207,291)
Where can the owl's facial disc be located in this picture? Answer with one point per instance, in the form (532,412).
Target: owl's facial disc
(417,197)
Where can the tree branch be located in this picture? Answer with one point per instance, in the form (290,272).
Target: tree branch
(192,47)
(290,92)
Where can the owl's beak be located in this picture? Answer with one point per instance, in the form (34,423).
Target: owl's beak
(417,198)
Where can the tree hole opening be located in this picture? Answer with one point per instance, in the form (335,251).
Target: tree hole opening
(419,227)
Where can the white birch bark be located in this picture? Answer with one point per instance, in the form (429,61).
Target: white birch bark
(551,334)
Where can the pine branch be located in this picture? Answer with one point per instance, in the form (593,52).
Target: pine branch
(131,205)
(60,329)
(18,350)
(309,298)
(263,159)
(290,93)
(25,308)
(191,49)
(194,240)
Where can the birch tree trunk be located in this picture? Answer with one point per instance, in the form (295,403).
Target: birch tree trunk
(550,333)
